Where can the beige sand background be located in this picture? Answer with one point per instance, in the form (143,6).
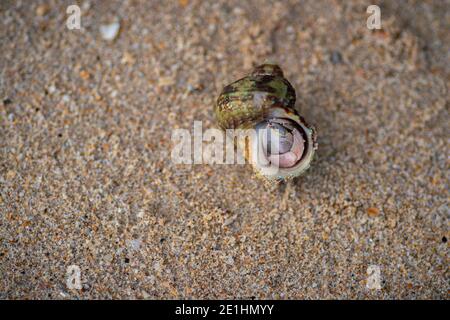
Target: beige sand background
(86,177)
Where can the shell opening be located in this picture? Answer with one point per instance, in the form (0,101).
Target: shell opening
(281,142)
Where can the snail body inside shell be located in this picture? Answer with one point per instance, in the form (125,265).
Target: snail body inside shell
(284,144)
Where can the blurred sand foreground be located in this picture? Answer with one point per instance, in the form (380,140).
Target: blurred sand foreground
(87,185)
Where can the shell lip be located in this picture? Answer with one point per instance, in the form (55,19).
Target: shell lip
(309,135)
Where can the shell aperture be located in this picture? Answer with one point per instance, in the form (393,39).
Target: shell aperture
(282,143)
(265,101)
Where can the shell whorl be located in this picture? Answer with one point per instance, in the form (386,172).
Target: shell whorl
(247,101)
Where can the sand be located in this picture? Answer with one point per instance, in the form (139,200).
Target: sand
(86,177)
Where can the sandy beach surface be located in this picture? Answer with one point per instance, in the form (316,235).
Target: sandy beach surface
(87,183)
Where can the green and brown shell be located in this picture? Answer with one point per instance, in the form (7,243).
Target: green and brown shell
(262,97)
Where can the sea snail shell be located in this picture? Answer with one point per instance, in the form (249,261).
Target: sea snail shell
(266,100)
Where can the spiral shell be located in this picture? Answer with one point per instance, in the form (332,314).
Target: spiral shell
(265,99)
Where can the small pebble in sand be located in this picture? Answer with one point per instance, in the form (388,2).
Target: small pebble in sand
(42,10)
(336,57)
(166,81)
(51,89)
(110,31)
(373,212)
(84,74)
(127,58)
(183,3)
